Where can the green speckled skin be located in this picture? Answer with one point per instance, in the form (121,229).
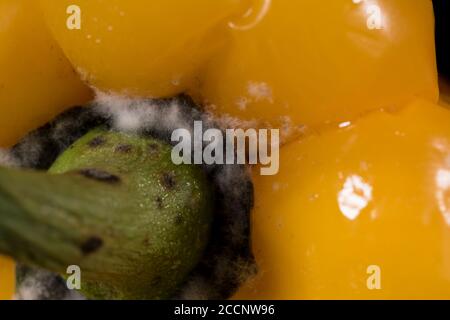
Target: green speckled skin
(136,230)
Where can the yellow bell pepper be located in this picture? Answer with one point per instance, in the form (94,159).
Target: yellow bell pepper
(367,196)
(7,278)
(281,62)
(309,62)
(36,83)
(140,47)
(36,80)
(358,212)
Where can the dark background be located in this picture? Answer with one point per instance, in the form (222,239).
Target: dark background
(442,12)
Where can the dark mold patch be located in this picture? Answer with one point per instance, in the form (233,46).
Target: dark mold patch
(159,203)
(91,245)
(97,142)
(168,180)
(146,242)
(38,284)
(442,29)
(40,148)
(228,258)
(124,148)
(99,175)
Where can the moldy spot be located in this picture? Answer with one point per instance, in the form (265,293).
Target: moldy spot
(97,142)
(159,203)
(99,175)
(168,180)
(146,242)
(124,148)
(91,245)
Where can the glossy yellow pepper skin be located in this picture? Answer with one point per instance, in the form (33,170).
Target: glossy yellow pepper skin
(372,194)
(36,81)
(7,278)
(282,62)
(140,47)
(303,63)
(309,62)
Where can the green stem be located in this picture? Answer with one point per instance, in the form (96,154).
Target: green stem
(116,206)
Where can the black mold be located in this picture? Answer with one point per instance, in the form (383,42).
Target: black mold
(51,287)
(124,148)
(168,180)
(91,245)
(227,257)
(100,175)
(159,203)
(40,148)
(442,14)
(97,142)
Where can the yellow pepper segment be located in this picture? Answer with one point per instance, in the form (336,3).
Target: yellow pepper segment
(139,47)
(7,278)
(369,198)
(361,211)
(36,80)
(309,62)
